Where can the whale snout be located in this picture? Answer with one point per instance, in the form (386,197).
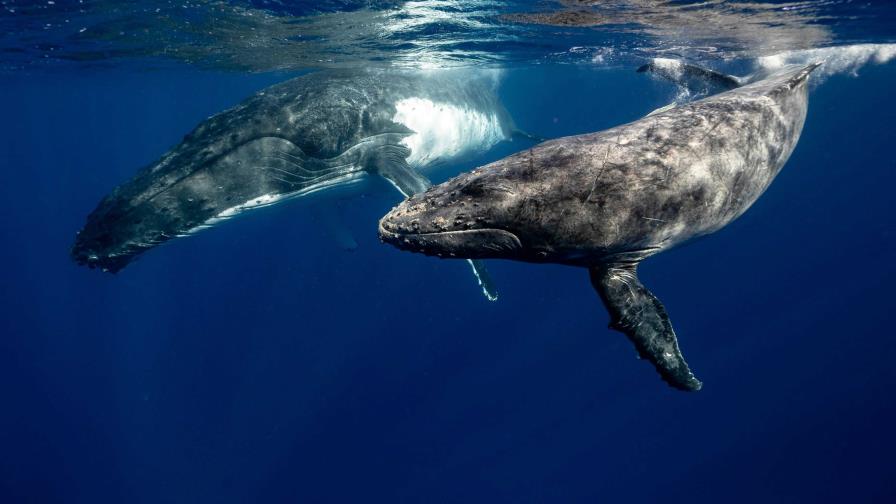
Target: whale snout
(466,244)
(111,264)
(422,225)
(114,235)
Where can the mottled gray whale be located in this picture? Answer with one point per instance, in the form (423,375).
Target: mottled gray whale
(608,200)
(295,139)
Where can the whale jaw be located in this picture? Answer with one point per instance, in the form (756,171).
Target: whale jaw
(467,244)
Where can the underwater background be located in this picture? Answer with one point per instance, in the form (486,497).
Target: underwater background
(260,362)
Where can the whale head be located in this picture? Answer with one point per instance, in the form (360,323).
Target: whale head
(478,215)
(232,162)
(113,237)
(155,206)
(199,184)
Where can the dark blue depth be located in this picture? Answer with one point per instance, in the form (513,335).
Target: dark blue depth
(257,362)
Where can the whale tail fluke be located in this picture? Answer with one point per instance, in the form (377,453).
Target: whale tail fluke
(697,79)
(635,311)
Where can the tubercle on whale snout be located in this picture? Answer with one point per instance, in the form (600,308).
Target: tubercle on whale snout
(482,243)
(108,264)
(87,253)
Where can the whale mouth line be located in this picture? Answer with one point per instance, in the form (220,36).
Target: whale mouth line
(400,234)
(463,243)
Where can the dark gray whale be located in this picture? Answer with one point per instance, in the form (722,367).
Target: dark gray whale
(608,200)
(295,139)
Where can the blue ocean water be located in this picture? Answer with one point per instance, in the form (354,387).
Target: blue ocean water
(259,362)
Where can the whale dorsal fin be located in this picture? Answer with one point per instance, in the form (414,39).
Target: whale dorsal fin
(662,109)
(635,311)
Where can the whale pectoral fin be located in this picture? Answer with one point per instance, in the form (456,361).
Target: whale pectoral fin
(484,278)
(390,162)
(635,311)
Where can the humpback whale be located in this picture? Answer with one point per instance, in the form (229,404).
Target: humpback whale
(607,200)
(309,134)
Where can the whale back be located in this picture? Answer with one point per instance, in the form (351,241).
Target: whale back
(691,170)
(642,187)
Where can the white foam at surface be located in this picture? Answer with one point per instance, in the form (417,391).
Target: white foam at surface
(836,60)
(673,66)
(601,55)
(442,130)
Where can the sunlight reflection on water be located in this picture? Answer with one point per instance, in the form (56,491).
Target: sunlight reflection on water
(262,36)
